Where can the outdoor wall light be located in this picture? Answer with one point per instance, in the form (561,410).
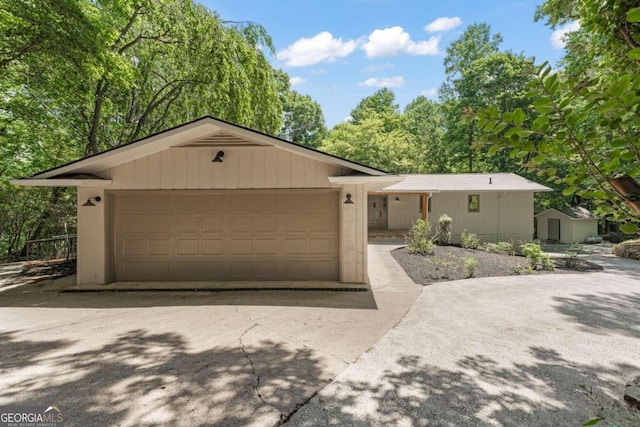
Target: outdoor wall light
(90,201)
(348,201)
(397,199)
(218,157)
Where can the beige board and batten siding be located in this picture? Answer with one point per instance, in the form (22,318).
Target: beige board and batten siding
(403,212)
(242,168)
(503,216)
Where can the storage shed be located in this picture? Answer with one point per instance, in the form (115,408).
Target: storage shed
(569,225)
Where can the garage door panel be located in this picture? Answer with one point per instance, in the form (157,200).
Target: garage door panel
(157,223)
(295,224)
(296,246)
(134,247)
(242,225)
(212,203)
(211,224)
(159,247)
(275,235)
(211,246)
(266,224)
(134,224)
(241,203)
(266,246)
(188,247)
(241,246)
(321,224)
(187,224)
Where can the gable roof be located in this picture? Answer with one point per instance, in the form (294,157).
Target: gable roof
(465,182)
(575,212)
(188,134)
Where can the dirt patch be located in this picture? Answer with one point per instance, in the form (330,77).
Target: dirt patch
(36,271)
(448,263)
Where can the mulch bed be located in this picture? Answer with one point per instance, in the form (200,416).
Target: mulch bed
(448,263)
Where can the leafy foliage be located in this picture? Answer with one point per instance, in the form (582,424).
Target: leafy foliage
(470,266)
(81,76)
(587,116)
(444,230)
(469,240)
(536,255)
(418,240)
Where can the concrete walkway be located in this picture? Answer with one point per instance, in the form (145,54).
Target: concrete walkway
(188,358)
(508,351)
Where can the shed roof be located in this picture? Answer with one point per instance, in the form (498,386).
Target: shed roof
(465,182)
(575,212)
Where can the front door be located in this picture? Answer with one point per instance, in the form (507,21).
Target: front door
(377,212)
(553,232)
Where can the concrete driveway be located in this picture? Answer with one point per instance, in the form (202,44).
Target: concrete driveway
(187,359)
(508,351)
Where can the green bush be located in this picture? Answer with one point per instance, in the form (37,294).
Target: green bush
(470,265)
(503,248)
(444,230)
(418,240)
(536,255)
(470,240)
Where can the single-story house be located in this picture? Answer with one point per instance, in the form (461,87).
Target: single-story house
(210,200)
(495,206)
(569,225)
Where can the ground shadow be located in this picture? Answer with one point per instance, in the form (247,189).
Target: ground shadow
(140,378)
(47,295)
(479,392)
(603,312)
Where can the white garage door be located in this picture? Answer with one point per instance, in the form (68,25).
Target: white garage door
(173,235)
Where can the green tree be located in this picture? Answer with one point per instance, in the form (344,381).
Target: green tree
(376,139)
(424,119)
(81,76)
(587,117)
(382,101)
(303,121)
(479,75)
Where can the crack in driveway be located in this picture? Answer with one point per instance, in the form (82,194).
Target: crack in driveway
(256,385)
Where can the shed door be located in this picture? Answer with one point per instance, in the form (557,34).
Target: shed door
(175,236)
(553,229)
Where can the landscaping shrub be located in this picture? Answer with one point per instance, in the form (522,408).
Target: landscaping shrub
(470,265)
(536,255)
(503,248)
(418,240)
(444,230)
(469,240)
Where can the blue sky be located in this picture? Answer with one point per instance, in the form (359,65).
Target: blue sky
(340,51)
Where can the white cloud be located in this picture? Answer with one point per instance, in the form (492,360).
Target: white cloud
(295,81)
(557,37)
(443,24)
(429,93)
(394,40)
(390,82)
(321,48)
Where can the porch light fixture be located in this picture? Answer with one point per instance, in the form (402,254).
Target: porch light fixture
(397,199)
(90,201)
(348,201)
(218,157)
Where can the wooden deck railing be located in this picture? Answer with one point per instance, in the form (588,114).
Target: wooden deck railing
(53,248)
